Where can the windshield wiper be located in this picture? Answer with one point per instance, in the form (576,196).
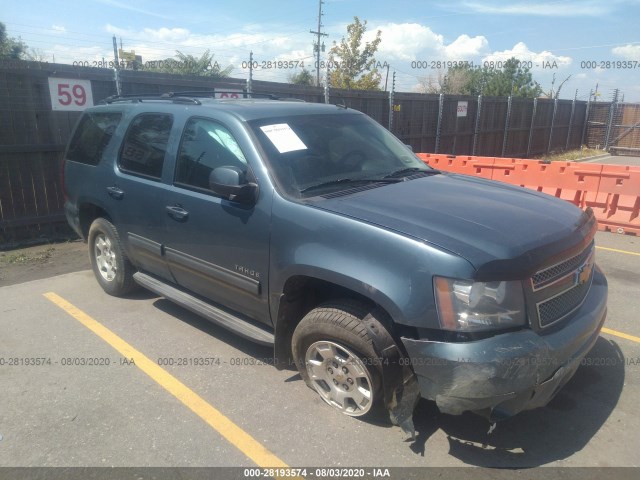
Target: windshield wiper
(402,171)
(349,180)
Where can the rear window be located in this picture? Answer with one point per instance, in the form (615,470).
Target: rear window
(92,137)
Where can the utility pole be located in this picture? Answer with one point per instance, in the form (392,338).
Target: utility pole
(316,46)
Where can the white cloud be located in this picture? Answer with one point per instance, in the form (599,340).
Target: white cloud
(229,50)
(412,41)
(522,53)
(546,9)
(628,52)
(404,41)
(464,47)
(58,29)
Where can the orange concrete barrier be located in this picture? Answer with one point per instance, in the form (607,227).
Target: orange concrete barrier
(474,166)
(617,203)
(612,191)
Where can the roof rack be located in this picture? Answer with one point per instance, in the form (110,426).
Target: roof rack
(191,96)
(141,97)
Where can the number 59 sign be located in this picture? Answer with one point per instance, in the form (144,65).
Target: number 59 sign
(70,94)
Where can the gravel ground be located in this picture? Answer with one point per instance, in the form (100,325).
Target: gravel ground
(42,261)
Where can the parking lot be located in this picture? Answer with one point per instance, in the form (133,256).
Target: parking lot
(92,380)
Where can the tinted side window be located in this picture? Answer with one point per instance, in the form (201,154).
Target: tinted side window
(145,145)
(206,145)
(92,137)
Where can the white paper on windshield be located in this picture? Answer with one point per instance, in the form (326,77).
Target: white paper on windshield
(283,137)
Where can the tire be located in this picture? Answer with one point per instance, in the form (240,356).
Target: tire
(112,268)
(336,358)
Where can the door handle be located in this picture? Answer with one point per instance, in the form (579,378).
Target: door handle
(115,192)
(177,212)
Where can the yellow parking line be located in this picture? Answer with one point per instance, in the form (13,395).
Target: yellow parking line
(229,430)
(618,251)
(622,335)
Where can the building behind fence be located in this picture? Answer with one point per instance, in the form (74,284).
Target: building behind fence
(33,135)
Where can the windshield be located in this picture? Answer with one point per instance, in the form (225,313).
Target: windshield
(314,154)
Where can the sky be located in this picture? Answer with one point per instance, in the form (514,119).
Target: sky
(593,43)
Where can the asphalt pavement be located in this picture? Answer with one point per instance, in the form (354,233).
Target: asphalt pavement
(616,160)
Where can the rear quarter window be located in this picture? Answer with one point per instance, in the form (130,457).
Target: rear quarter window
(93,135)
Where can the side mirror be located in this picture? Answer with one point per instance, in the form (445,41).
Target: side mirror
(231,183)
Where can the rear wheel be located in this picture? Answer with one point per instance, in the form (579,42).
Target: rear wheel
(335,356)
(110,265)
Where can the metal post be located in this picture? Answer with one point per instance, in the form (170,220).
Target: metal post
(440,105)
(116,69)
(612,113)
(326,87)
(553,121)
(506,127)
(586,122)
(391,95)
(573,109)
(533,122)
(250,79)
(476,129)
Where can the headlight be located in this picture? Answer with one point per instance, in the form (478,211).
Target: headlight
(467,306)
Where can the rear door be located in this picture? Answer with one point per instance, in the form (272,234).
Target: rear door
(137,192)
(217,248)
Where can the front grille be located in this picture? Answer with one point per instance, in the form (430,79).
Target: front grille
(556,308)
(559,270)
(560,289)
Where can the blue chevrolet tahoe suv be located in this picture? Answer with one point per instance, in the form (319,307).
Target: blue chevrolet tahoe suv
(312,229)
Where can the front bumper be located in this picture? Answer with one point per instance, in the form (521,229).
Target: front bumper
(503,375)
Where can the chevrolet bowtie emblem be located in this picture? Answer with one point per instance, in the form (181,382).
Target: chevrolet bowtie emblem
(584,273)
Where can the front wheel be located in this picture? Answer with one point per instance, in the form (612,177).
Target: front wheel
(336,358)
(110,265)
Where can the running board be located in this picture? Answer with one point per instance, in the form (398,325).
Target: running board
(206,310)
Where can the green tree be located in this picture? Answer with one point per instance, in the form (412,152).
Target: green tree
(10,47)
(183,64)
(352,65)
(302,78)
(513,79)
(465,80)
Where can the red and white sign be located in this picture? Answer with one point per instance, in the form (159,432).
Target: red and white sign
(69,94)
(462,108)
(230,94)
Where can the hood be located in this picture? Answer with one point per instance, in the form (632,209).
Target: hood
(503,231)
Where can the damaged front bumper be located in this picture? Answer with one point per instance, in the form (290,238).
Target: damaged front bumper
(500,376)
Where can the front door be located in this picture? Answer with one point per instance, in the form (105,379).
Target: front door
(216,248)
